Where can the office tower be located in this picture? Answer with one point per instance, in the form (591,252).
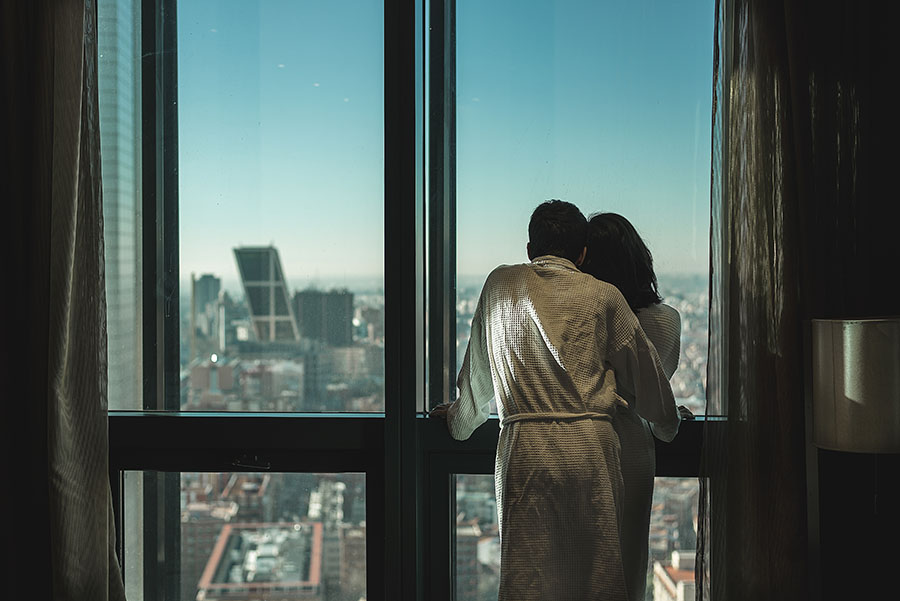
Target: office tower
(207,291)
(266,292)
(325,316)
(206,297)
(119,102)
(118,47)
(232,322)
(202,330)
(372,318)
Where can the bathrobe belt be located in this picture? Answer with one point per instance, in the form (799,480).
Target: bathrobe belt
(554,416)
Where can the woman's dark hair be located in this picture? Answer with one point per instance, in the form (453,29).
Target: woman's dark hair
(617,254)
(557,228)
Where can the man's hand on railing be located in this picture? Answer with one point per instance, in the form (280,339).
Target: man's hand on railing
(685,412)
(439,411)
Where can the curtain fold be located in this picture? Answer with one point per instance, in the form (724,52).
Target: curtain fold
(759,548)
(55,266)
(804,225)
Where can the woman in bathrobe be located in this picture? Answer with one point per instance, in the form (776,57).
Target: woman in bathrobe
(617,255)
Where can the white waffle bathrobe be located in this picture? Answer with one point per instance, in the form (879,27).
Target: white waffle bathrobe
(555,347)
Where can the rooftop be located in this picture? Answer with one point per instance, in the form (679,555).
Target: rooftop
(264,555)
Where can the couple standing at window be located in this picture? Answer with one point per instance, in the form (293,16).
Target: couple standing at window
(577,350)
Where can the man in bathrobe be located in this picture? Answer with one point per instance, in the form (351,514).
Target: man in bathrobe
(558,350)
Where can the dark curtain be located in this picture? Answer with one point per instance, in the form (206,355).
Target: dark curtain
(60,538)
(804,225)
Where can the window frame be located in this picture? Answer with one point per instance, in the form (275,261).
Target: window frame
(409,458)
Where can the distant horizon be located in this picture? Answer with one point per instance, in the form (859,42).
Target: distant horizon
(372,283)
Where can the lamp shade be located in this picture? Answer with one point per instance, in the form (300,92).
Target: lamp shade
(856,384)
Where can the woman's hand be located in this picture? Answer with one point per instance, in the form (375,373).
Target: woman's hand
(685,413)
(439,411)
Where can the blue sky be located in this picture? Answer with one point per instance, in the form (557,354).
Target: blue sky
(280,128)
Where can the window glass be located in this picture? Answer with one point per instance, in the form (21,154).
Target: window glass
(242,536)
(673,539)
(280,193)
(672,544)
(477,546)
(118,53)
(606,105)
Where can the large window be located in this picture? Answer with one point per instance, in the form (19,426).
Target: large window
(280,205)
(606,105)
(302,200)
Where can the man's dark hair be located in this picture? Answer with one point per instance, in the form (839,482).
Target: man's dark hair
(618,255)
(557,228)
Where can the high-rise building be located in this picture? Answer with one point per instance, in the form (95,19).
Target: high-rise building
(267,295)
(205,290)
(118,47)
(119,102)
(232,322)
(325,316)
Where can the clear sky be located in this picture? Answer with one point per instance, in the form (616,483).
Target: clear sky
(605,104)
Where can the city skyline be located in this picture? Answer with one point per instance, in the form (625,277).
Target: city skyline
(281,129)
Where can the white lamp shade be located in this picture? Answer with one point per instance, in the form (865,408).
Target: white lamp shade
(856,384)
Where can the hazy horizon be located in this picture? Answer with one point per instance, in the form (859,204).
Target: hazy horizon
(374,283)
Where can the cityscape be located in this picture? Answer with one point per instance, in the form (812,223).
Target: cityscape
(280,136)
(262,349)
(254,536)
(265,347)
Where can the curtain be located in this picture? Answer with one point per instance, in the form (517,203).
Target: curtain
(804,225)
(62,540)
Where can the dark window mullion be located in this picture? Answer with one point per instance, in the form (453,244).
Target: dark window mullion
(178,441)
(403,344)
(161,373)
(159,108)
(442,200)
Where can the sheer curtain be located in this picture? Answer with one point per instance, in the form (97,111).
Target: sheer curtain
(804,225)
(61,544)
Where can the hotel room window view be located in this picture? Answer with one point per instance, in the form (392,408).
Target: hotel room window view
(299,309)
(267,152)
